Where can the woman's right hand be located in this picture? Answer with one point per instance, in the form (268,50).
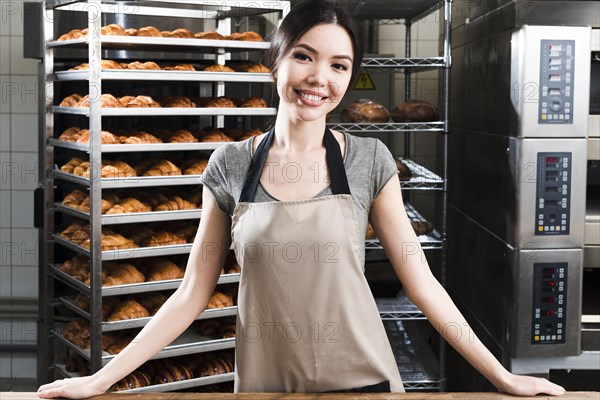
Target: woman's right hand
(72,388)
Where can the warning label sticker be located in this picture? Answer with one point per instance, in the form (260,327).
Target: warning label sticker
(364,82)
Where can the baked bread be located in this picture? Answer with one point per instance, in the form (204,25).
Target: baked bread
(162,269)
(220,300)
(71,100)
(179,102)
(142,102)
(217,68)
(164,238)
(228,330)
(70,134)
(118,345)
(148,31)
(139,234)
(148,65)
(173,373)
(179,33)
(195,198)
(421,227)
(74,198)
(123,274)
(233,269)
(152,301)
(106,101)
(210,327)
(188,232)
(415,111)
(140,137)
(180,67)
(176,203)
(113,169)
(249,134)
(129,205)
(370,234)
(136,379)
(162,168)
(72,34)
(257,68)
(365,111)
(113,241)
(404,173)
(249,36)
(105,137)
(70,166)
(220,102)
(209,36)
(196,168)
(129,309)
(104,64)
(107,202)
(131,31)
(214,135)
(113,29)
(182,136)
(254,102)
(76,233)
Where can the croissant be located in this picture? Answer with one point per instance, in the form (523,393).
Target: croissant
(249,36)
(108,202)
(105,137)
(77,267)
(228,330)
(113,29)
(182,136)
(148,65)
(78,364)
(209,36)
(180,67)
(421,227)
(178,101)
(148,31)
(154,199)
(140,234)
(75,332)
(215,135)
(107,269)
(136,379)
(141,166)
(177,203)
(140,138)
(70,134)
(164,238)
(143,102)
(72,34)
(220,102)
(188,232)
(114,169)
(254,102)
(104,64)
(213,366)
(201,101)
(217,68)
(152,367)
(124,100)
(162,269)
(179,33)
(129,205)
(76,233)
(74,198)
(173,373)
(128,309)
(106,100)
(152,302)
(108,304)
(162,168)
(124,274)
(196,168)
(131,32)
(257,68)
(82,168)
(70,101)
(220,300)
(112,241)
(195,198)
(249,134)
(234,36)
(118,345)
(370,233)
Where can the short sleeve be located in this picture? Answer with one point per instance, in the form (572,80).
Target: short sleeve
(384,168)
(214,178)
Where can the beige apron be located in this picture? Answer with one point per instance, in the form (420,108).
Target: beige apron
(307,321)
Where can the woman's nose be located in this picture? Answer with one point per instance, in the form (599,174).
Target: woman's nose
(318,76)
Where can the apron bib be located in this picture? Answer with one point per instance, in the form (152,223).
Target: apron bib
(307,321)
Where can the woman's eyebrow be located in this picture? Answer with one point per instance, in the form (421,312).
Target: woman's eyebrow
(313,50)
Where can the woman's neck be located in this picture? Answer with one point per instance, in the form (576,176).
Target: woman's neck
(299,136)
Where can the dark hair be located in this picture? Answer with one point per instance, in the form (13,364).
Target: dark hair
(301,19)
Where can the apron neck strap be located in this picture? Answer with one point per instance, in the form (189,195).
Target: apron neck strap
(333,154)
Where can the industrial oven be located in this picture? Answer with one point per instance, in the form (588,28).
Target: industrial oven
(520,109)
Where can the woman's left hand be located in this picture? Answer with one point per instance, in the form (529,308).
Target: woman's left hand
(520,385)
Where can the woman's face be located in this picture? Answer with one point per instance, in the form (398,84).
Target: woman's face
(314,76)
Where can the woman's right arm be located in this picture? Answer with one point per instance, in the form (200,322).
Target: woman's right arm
(208,253)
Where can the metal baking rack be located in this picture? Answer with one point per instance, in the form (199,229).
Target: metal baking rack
(132,181)
(143,287)
(141,322)
(126,254)
(154,75)
(129,148)
(166,111)
(188,343)
(422,178)
(165,387)
(389,127)
(416,361)
(398,64)
(152,216)
(398,308)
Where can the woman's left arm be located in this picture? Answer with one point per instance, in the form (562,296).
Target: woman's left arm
(390,222)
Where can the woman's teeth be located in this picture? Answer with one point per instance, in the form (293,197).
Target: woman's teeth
(311,97)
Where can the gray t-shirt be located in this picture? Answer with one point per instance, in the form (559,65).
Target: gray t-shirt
(368,163)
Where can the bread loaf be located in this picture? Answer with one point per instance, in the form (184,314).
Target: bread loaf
(415,111)
(365,111)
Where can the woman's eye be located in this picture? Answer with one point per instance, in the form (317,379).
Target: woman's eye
(302,57)
(341,67)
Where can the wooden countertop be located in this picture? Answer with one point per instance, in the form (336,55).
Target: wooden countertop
(303,396)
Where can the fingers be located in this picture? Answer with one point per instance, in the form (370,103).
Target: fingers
(54,384)
(550,388)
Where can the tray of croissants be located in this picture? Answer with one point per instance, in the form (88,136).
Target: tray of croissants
(168,373)
(134,311)
(161,204)
(207,334)
(138,275)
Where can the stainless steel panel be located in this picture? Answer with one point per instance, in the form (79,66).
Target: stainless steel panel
(525,80)
(522,273)
(593,151)
(587,360)
(524,152)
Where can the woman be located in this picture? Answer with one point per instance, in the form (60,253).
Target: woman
(307,321)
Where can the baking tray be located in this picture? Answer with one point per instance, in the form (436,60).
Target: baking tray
(165,387)
(127,148)
(390,127)
(162,75)
(398,308)
(142,43)
(141,322)
(422,178)
(143,287)
(131,182)
(166,111)
(431,241)
(187,343)
(152,216)
(125,254)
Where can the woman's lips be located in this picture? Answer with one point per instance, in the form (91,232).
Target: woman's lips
(310,98)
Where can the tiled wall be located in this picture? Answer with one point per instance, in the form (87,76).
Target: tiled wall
(18,178)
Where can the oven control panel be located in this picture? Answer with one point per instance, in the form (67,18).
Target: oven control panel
(549,303)
(553,194)
(557,65)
